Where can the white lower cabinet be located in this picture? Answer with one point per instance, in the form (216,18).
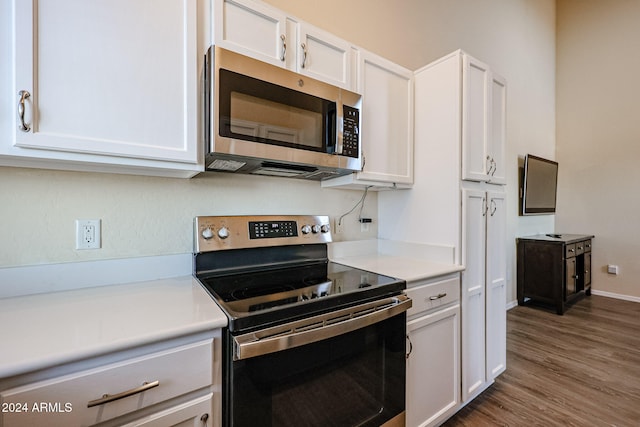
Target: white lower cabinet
(433,360)
(483,297)
(195,413)
(161,385)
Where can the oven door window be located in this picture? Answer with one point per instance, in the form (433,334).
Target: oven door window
(254,110)
(355,379)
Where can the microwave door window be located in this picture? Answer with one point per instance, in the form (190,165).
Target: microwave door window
(270,121)
(258,111)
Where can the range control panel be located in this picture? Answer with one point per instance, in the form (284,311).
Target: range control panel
(215,233)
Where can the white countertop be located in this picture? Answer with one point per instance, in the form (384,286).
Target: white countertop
(401,267)
(48,329)
(409,261)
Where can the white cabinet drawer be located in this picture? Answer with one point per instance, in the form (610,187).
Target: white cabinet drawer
(433,295)
(63,401)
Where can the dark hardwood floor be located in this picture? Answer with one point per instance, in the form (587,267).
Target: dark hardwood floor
(579,369)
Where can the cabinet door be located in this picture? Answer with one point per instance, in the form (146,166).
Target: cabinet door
(109,77)
(498,133)
(587,269)
(433,367)
(253,29)
(496,324)
(387,120)
(570,282)
(194,413)
(323,56)
(476,92)
(474,211)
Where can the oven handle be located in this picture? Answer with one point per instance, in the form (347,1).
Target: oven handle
(317,328)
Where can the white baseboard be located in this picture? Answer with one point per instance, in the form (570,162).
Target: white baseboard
(36,279)
(512,304)
(614,295)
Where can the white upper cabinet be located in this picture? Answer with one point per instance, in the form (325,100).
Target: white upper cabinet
(497,141)
(265,33)
(387,125)
(253,29)
(483,123)
(323,56)
(110,83)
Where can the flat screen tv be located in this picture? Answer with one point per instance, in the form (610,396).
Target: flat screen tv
(539,186)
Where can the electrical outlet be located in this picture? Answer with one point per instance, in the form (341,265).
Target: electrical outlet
(337,226)
(88,234)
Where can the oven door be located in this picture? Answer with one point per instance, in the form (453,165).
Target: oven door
(352,378)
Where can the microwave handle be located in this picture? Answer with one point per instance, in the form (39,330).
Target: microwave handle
(339,128)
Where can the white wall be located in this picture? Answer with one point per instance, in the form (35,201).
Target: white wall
(144,216)
(598,139)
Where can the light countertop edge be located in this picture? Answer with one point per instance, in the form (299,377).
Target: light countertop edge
(412,262)
(408,269)
(45,330)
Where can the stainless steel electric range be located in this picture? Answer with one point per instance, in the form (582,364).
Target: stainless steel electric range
(309,342)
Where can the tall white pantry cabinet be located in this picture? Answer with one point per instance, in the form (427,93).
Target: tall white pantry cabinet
(458,200)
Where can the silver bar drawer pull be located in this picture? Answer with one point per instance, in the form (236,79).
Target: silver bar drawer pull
(111,397)
(435,297)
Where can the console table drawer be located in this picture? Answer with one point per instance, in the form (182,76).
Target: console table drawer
(570,250)
(587,245)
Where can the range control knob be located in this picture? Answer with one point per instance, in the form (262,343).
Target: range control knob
(315,229)
(306,229)
(325,228)
(207,233)
(223,233)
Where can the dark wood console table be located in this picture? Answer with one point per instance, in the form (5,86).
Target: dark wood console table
(554,269)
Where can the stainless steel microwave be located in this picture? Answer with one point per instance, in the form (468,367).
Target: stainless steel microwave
(265,120)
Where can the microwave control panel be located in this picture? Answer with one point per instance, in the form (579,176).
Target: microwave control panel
(351,132)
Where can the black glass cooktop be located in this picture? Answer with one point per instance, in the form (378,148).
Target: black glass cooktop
(278,295)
